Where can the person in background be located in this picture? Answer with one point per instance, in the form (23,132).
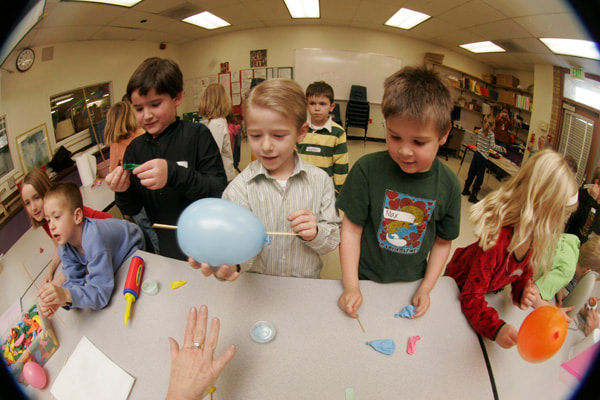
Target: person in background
(285,193)
(324,145)
(178,161)
(215,105)
(91,251)
(402,206)
(479,163)
(585,221)
(504,123)
(121,128)
(33,189)
(515,226)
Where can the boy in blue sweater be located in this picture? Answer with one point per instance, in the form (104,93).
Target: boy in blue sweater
(91,251)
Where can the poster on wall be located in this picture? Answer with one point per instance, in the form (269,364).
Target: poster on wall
(34,148)
(258,58)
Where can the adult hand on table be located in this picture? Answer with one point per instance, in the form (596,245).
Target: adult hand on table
(193,370)
(225,272)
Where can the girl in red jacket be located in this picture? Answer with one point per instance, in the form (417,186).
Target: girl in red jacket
(516,225)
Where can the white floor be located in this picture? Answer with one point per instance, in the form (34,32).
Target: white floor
(358,148)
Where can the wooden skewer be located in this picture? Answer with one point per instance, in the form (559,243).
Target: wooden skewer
(165,226)
(38,288)
(360,323)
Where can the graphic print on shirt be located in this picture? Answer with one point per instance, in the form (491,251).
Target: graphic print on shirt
(404,222)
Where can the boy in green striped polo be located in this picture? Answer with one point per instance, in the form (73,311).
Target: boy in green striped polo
(324,145)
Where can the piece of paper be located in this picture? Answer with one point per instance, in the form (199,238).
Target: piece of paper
(10,317)
(578,366)
(89,374)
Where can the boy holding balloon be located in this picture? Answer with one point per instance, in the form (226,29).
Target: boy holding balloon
(174,163)
(286,194)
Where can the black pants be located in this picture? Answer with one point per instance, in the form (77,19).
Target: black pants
(476,171)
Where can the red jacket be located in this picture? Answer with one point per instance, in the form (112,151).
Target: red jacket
(478,272)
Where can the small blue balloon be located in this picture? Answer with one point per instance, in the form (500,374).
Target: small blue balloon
(384,346)
(217,231)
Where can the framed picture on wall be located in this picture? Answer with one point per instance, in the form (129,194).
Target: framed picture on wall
(34,148)
(258,58)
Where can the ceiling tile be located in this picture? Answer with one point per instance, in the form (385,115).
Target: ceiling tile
(70,12)
(515,8)
(433,7)
(429,29)
(553,25)
(458,37)
(116,33)
(158,6)
(59,34)
(503,29)
(472,13)
(132,18)
(339,10)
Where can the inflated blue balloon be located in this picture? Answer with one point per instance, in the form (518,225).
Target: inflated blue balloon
(217,231)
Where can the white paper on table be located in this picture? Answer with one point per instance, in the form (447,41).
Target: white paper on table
(89,374)
(10,317)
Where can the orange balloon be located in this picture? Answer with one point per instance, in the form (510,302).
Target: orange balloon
(542,334)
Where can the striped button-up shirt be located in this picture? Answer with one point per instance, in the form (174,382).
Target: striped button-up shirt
(485,143)
(309,188)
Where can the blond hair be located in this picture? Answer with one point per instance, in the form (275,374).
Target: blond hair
(418,94)
(214,102)
(120,123)
(489,124)
(589,254)
(534,203)
(40,182)
(280,95)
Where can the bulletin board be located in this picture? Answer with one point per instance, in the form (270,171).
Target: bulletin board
(342,69)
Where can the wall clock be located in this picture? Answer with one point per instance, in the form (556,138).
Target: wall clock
(25,59)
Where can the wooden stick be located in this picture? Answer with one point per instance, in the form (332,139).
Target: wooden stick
(283,233)
(164,226)
(361,325)
(29,275)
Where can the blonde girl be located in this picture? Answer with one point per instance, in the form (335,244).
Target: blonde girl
(285,193)
(479,163)
(33,189)
(215,106)
(121,128)
(515,226)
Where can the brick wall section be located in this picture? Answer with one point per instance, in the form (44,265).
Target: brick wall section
(555,115)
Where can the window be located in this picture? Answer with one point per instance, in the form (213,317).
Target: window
(586,91)
(70,115)
(576,140)
(6,164)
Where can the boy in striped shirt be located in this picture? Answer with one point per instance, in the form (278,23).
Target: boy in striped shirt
(324,145)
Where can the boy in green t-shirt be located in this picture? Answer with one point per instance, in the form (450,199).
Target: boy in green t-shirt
(402,206)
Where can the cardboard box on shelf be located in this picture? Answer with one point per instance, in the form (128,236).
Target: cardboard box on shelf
(489,78)
(506,96)
(506,80)
(433,58)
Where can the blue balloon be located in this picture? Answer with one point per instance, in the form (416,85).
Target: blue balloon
(217,231)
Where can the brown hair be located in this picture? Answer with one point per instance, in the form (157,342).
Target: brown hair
(214,102)
(41,183)
(589,254)
(281,95)
(161,74)
(69,192)
(571,163)
(120,122)
(418,94)
(320,88)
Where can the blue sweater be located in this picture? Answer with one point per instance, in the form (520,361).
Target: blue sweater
(106,243)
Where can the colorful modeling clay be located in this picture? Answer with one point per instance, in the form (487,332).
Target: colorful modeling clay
(412,343)
(178,284)
(407,312)
(385,346)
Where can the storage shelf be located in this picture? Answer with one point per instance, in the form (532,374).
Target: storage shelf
(489,99)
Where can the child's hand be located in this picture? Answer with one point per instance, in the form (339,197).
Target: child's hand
(565,310)
(226,272)
(304,223)
(528,296)
(194,370)
(48,310)
(48,276)
(153,173)
(51,294)
(592,321)
(350,301)
(118,179)
(507,336)
(421,301)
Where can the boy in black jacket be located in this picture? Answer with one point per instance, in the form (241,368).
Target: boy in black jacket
(179,162)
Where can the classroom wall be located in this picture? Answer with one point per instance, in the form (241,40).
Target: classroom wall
(204,56)
(542,101)
(25,97)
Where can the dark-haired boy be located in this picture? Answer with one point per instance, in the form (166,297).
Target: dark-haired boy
(91,251)
(179,161)
(324,145)
(402,206)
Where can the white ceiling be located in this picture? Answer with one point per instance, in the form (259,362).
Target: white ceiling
(514,24)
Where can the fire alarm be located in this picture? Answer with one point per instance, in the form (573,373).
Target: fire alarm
(162,46)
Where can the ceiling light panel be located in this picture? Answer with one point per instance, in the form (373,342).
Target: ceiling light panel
(483,47)
(206,20)
(573,47)
(407,19)
(303,8)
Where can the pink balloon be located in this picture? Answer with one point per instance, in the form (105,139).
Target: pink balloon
(35,375)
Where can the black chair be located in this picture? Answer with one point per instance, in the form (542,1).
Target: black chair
(335,115)
(357,110)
